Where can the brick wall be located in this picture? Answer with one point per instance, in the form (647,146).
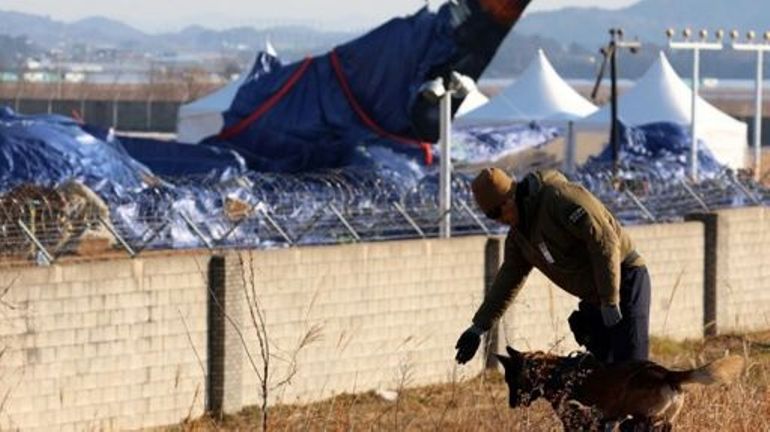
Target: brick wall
(102,345)
(743,270)
(674,255)
(388,314)
(537,320)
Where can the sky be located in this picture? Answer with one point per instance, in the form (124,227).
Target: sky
(172,15)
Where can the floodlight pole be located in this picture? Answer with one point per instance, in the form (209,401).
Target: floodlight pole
(445,175)
(760,50)
(696,47)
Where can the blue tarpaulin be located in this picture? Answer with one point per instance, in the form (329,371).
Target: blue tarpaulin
(313,114)
(313,125)
(47,150)
(172,159)
(659,150)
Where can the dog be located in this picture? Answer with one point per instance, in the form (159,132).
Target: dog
(587,395)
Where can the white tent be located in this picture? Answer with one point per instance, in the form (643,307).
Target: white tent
(661,96)
(203,117)
(538,94)
(472,101)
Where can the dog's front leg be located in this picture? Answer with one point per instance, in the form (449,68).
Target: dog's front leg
(576,417)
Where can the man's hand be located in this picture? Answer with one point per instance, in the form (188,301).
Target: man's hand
(468,344)
(611,315)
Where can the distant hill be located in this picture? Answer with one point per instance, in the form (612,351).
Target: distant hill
(100,31)
(291,42)
(571,37)
(47,32)
(105,30)
(647,19)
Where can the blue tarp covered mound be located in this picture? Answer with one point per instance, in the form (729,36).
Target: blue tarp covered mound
(313,114)
(48,150)
(173,159)
(655,151)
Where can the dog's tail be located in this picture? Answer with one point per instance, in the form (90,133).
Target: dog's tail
(721,371)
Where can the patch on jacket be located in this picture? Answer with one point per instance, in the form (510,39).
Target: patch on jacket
(546,253)
(576,215)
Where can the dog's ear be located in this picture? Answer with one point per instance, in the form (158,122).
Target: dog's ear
(504,360)
(512,352)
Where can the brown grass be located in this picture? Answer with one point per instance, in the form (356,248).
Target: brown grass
(481,405)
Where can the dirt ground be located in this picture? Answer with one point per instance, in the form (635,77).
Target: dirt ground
(480,404)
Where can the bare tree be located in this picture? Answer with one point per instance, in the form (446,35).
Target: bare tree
(258,323)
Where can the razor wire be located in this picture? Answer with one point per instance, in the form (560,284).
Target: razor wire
(262,210)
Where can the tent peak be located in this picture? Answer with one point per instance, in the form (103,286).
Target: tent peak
(270,49)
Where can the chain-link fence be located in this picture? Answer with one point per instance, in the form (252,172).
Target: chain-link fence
(270,210)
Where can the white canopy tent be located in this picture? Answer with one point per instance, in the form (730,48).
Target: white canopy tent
(661,96)
(202,118)
(539,94)
(472,101)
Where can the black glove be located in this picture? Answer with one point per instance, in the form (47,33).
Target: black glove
(468,344)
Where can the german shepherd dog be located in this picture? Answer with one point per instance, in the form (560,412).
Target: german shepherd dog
(586,395)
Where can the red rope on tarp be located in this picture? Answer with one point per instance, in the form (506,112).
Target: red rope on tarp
(371,124)
(268,104)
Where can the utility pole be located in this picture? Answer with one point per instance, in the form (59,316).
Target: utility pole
(696,46)
(759,48)
(610,53)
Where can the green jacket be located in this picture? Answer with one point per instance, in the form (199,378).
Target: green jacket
(566,233)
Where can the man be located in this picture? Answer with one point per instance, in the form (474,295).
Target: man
(564,231)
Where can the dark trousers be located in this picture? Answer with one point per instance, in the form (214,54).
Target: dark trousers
(627,340)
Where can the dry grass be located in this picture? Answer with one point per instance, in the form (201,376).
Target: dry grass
(481,405)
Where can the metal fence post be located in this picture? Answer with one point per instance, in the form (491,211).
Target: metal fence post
(31,237)
(345,222)
(409,219)
(117,236)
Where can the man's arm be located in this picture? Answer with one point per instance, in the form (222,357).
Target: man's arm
(507,284)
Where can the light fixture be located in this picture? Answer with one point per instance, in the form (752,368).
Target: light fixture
(433,90)
(461,85)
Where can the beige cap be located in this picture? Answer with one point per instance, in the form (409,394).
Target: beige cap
(491,188)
